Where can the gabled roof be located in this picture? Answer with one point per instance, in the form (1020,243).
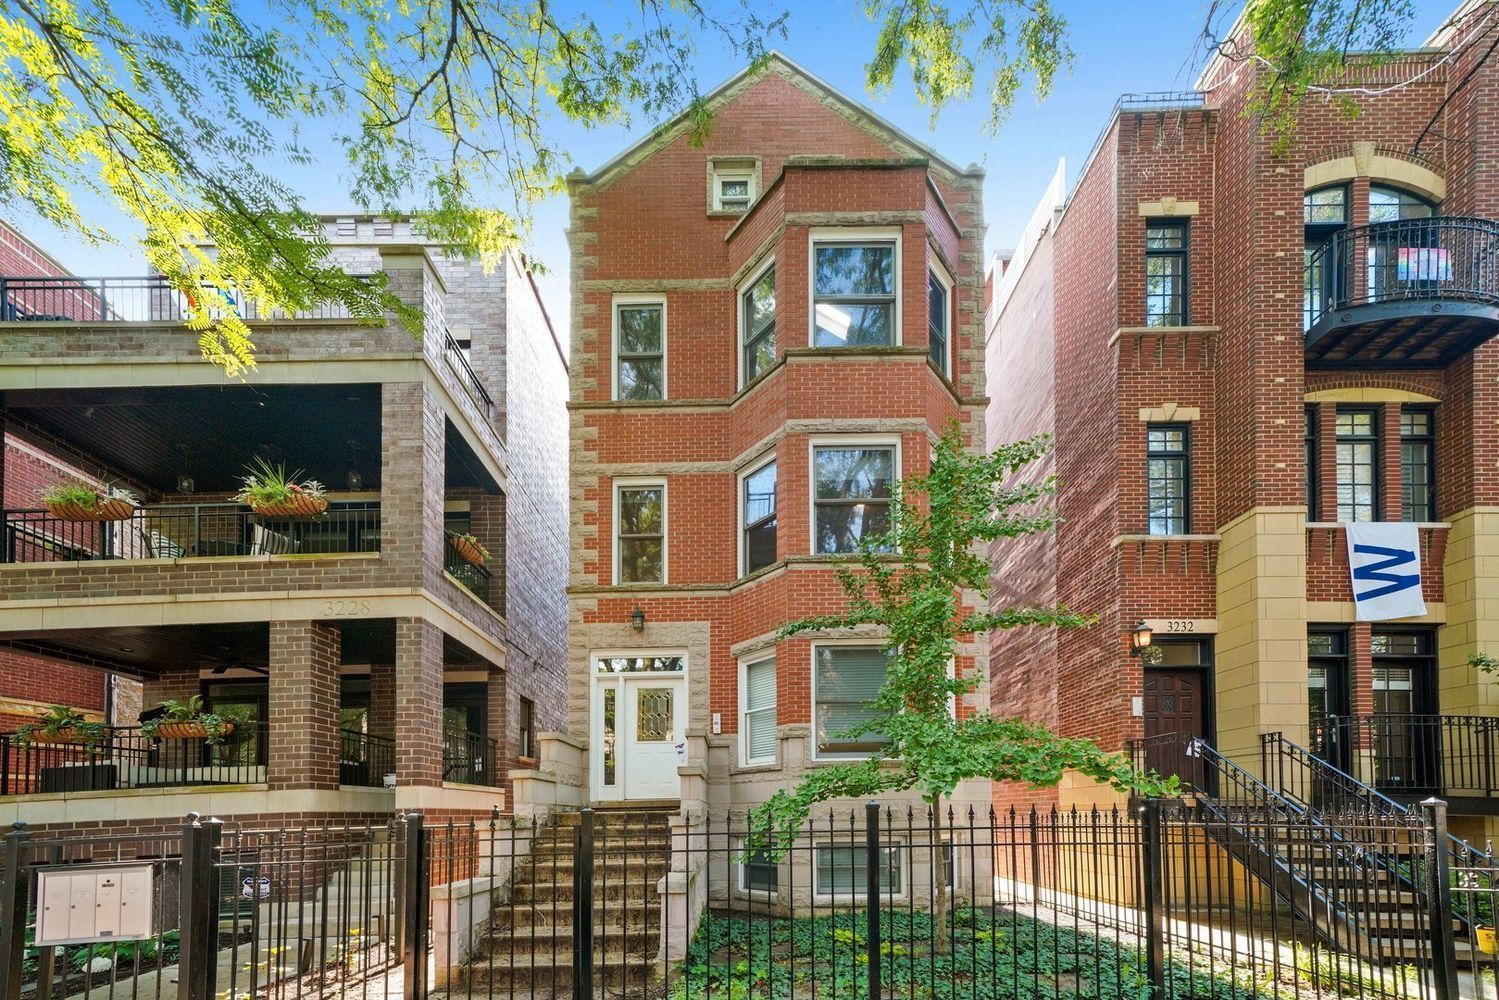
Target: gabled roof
(778,64)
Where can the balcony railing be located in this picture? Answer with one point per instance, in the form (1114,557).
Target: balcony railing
(124,758)
(453,351)
(1414,755)
(475,578)
(170,531)
(149,298)
(469,758)
(1446,257)
(364,759)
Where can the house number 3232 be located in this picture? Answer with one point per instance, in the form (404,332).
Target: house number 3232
(1180,625)
(345,609)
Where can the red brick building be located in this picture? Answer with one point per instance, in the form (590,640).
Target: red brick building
(768,330)
(1239,350)
(366,664)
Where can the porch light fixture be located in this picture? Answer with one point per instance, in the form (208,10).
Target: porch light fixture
(637,620)
(356,481)
(185,484)
(1139,639)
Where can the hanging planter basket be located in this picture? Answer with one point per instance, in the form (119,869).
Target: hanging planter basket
(107,509)
(297,506)
(63,737)
(467,551)
(188,730)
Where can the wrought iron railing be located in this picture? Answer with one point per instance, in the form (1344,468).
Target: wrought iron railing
(365,759)
(123,757)
(148,298)
(471,382)
(475,578)
(469,758)
(170,531)
(1445,257)
(1414,755)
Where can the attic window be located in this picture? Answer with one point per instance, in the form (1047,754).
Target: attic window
(732,185)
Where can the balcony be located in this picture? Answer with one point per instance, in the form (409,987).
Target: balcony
(1418,293)
(1411,757)
(126,759)
(470,758)
(151,298)
(178,531)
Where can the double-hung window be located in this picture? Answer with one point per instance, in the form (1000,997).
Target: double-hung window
(841,870)
(939,320)
(1417,470)
(1357,448)
(640,533)
(640,350)
(1166,272)
(853,294)
(758,873)
(760,517)
(759,719)
(732,183)
(851,495)
(845,682)
(1166,479)
(758,305)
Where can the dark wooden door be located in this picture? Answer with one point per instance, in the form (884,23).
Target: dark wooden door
(1175,703)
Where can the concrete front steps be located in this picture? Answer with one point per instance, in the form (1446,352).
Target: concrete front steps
(528,946)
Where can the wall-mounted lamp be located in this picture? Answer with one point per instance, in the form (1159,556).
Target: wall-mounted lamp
(1139,639)
(356,481)
(637,620)
(185,484)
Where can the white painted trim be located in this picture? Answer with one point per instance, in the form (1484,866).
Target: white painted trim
(814,442)
(627,483)
(852,234)
(744,286)
(596,687)
(634,299)
(945,279)
(815,755)
(749,170)
(769,458)
(743,707)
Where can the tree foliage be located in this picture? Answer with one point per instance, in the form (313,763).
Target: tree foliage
(924,586)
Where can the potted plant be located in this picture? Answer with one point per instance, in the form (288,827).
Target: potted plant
(60,724)
(269,491)
(468,548)
(76,500)
(186,720)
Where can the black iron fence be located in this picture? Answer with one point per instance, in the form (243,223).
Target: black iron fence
(170,531)
(147,298)
(1442,257)
(1414,755)
(365,759)
(1156,901)
(469,758)
(123,757)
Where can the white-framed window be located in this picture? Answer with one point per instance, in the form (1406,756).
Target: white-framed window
(640,531)
(759,874)
(757,712)
(852,482)
(757,517)
(855,283)
(842,870)
(939,313)
(846,679)
(757,324)
(735,184)
(639,347)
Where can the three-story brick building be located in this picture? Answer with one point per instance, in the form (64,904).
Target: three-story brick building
(365,663)
(769,329)
(1240,350)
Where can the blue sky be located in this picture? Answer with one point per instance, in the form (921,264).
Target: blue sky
(1120,47)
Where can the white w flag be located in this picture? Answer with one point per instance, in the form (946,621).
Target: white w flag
(1384,561)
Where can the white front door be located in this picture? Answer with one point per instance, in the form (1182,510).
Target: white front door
(639,727)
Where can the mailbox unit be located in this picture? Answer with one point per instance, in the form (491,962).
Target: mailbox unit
(82,903)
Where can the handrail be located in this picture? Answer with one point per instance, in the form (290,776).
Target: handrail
(1422,754)
(1441,257)
(123,757)
(63,298)
(475,387)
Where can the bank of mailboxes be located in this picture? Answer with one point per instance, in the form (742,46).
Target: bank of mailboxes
(94,903)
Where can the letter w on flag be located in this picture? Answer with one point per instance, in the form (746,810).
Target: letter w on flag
(1384,564)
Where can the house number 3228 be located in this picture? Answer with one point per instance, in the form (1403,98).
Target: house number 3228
(345,609)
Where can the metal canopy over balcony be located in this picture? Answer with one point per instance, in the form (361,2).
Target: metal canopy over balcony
(1418,293)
